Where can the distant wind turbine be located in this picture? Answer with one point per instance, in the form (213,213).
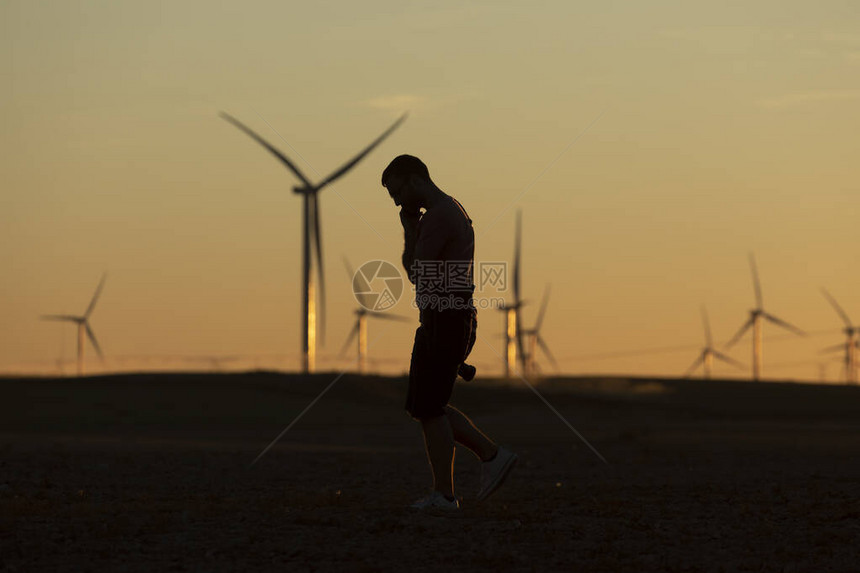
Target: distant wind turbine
(83,323)
(851,340)
(360,327)
(311,235)
(706,358)
(754,321)
(535,339)
(513,337)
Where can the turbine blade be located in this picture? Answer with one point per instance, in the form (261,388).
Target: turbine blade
(64,317)
(829,349)
(694,365)
(268,146)
(349,339)
(349,270)
(349,164)
(92,338)
(95,296)
(521,349)
(517,244)
(709,342)
(740,333)
(728,360)
(317,236)
(542,310)
(838,308)
(546,351)
(756,284)
(783,324)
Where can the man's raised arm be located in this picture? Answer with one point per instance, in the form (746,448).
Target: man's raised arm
(410,221)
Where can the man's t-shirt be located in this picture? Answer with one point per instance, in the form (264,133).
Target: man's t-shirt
(442,263)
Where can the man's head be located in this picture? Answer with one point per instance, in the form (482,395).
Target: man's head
(406,178)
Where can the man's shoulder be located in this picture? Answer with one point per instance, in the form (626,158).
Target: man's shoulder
(439,213)
(448,209)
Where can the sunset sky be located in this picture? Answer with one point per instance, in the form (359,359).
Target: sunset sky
(651,147)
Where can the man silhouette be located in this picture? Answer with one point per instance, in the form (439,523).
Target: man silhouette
(439,257)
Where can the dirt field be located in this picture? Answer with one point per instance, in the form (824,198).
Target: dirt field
(152,473)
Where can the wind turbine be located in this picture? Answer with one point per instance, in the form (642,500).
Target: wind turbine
(851,340)
(535,339)
(360,327)
(513,337)
(706,358)
(754,321)
(311,237)
(83,323)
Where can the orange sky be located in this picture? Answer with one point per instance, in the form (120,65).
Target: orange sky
(713,132)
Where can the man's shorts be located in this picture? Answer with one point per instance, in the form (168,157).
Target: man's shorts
(442,343)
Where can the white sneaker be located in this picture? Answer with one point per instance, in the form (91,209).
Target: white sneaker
(437,503)
(494,472)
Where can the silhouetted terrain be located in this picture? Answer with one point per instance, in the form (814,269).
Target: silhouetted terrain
(152,472)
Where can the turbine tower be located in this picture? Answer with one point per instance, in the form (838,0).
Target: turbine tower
(311,236)
(83,323)
(513,338)
(535,339)
(360,327)
(755,321)
(852,333)
(706,358)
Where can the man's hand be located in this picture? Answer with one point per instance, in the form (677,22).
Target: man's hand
(409,219)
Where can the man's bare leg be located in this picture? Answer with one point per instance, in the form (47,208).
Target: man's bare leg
(439,442)
(467,434)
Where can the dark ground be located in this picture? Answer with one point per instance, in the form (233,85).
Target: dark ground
(152,472)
